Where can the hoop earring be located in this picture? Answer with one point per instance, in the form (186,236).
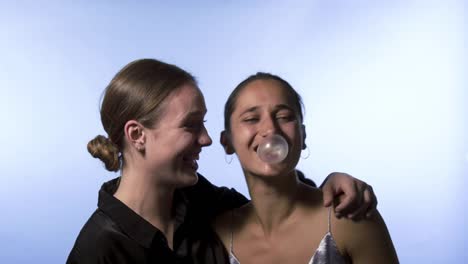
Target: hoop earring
(226,159)
(308,153)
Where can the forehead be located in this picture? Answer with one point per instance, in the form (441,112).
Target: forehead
(188,99)
(188,93)
(263,92)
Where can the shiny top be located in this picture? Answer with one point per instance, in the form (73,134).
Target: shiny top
(326,253)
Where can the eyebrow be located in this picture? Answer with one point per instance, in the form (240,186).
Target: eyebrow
(283,106)
(250,109)
(276,108)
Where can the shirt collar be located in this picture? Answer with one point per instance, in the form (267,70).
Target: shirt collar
(130,222)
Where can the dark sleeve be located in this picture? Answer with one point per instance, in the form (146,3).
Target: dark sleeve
(99,243)
(212,199)
(111,249)
(305,180)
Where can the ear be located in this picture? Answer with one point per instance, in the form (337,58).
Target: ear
(304,135)
(135,134)
(225,140)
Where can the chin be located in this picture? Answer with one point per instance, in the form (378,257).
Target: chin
(272,170)
(189,179)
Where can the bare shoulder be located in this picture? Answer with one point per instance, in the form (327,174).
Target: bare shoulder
(311,209)
(312,197)
(364,241)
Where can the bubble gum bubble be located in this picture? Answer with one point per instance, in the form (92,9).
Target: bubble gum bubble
(273,149)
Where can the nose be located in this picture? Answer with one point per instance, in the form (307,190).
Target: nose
(268,127)
(204,139)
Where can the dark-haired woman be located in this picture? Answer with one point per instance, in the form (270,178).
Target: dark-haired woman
(285,221)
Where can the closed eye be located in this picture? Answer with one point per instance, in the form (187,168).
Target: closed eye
(250,120)
(195,126)
(286,118)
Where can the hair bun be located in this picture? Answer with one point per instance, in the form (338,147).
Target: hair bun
(102,148)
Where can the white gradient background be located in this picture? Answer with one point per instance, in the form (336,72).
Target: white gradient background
(384,84)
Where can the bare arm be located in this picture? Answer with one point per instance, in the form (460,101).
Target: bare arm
(366,241)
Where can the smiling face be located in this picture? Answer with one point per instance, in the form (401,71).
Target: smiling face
(173,145)
(262,108)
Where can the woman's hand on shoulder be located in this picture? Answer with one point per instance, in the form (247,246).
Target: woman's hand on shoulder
(351,197)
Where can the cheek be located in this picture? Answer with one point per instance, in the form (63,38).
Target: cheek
(184,141)
(175,145)
(242,137)
(295,135)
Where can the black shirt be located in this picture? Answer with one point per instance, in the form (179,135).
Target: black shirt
(116,234)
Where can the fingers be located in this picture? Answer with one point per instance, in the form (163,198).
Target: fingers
(363,209)
(352,199)
(328,195)
(368,205)
(373,202)
(361,204)
(337,200)
(347,204)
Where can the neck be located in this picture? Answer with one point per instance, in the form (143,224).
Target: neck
(273,199)
(152,201)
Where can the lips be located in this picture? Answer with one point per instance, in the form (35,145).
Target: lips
(191,160)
